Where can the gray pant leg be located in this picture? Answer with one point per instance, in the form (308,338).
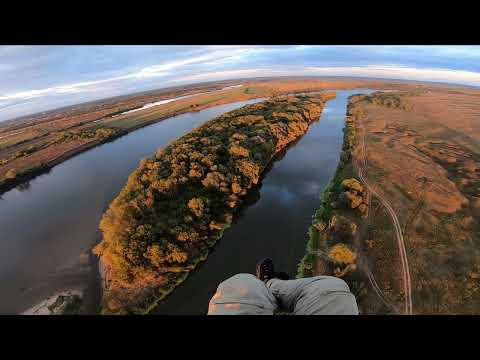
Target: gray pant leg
(242,294)
(320,295)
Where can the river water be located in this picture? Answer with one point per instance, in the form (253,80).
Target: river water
(47,227)
(276,224)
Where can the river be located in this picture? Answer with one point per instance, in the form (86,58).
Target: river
(276,224)
(49,225)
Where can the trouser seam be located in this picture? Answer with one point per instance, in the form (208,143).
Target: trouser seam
(243,303)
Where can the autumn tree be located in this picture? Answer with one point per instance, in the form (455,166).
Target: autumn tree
(11,174)
(197,206)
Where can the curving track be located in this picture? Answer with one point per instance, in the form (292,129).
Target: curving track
(397,227)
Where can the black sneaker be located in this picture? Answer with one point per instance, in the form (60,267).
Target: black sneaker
(265,270)
(282,276)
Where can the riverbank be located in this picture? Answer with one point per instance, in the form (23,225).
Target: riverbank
(67,302)
(7,184)
(52,221)
(37,156)
(333,237)
(44,168)
(122,126)
(182,216)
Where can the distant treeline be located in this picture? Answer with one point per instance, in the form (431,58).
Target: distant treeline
(389,99)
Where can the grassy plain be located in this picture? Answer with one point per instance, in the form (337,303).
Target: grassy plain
(421,156)
(431,176)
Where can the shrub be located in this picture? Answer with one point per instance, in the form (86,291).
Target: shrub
(197,206)
(341,253)
(11,174)
(239,151)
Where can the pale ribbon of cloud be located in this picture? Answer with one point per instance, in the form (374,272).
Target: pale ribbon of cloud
(404,73)
(213,58)
(384,71)
(222,56)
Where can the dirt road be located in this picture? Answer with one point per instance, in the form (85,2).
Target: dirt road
(397,227)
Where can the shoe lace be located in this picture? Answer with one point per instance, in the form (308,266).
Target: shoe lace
(267,270)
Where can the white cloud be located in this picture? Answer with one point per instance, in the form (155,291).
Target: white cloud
(31,94)
(219,55)
(228,74)
(402,72)
(219,63)
(213,58)
(163,69)
(384,71)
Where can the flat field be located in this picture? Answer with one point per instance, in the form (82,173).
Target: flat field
(424,160)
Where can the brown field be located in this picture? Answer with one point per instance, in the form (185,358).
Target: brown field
(425,161)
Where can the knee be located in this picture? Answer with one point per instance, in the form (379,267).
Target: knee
(239,283)
(328,295)
(239,287)
(329,283)
(242,294)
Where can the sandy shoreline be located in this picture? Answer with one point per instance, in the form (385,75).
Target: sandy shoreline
(42,307)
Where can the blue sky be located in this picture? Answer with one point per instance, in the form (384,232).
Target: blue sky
(38,78)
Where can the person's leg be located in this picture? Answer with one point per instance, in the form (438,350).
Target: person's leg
(320,295)
(242,294)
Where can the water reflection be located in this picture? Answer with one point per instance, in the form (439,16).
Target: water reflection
(24,186)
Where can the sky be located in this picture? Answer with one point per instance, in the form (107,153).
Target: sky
(39,78)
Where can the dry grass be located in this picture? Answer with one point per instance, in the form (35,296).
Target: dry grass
(430,160)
